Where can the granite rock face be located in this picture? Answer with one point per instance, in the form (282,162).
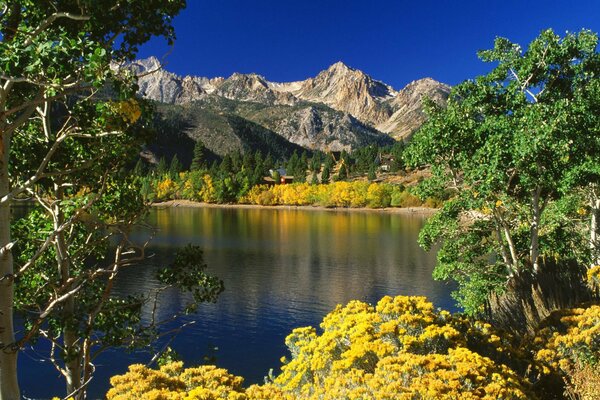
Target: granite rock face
(340,108)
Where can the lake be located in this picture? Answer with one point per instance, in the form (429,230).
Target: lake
(282,268)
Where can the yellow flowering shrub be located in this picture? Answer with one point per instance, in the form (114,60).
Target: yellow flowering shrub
(174,382)
(571,338)
(593,277)
(569,345)
(401,348)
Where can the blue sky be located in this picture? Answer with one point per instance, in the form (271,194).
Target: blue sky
(395,41)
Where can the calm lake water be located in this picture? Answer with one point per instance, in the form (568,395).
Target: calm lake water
(282,269)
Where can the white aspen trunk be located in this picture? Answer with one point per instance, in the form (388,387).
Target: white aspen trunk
(534,248)
(9,385)
(511,247)
(72,370)
(510,268)
(594,234)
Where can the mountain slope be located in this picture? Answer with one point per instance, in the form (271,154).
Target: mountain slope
(340,108)
(179,126)
(408,113)
(348,90)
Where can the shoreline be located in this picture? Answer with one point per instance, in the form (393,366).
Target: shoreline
(420,211)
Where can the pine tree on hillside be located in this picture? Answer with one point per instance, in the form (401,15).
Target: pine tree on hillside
(199,158)
(343,173)
(325,174)
(314,180)
(176,167)
(161,168)
(139,169)
(372,174)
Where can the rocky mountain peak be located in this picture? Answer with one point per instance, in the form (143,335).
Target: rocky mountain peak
(148,64)
(340,68)
(349,90)
(253,87)
(339,87)
(408,113)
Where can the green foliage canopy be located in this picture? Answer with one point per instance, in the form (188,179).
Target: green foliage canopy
(511,144)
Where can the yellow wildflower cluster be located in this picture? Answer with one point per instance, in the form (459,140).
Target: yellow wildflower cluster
(593,277)
(573,340)
(402,348)
(173,382)
(569,344)
(336,194)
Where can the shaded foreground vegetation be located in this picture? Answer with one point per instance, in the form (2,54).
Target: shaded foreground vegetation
(402,348)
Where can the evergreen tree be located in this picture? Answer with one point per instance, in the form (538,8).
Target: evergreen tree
(258,160)
(140,168)
(329,161)
(299,174)
(372,174)
(304,159)
(161,167)
(175,168)
(236,161)
(343,173)
(325,173)
(292,163)
(248,161)
(199,158)
(214,168)
(226,166)
(397,152)
(314,180)
(268,163)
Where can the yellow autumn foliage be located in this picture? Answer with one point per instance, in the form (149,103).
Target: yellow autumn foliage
(166,189)
(336,194)
(129,110)
(593,277)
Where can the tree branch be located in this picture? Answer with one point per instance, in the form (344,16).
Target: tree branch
(50,20)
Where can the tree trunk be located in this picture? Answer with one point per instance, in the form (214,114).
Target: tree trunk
(534,249)
(594,231)
(72,350)
(9,386)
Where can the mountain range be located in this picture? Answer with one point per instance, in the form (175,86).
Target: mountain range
(341,108)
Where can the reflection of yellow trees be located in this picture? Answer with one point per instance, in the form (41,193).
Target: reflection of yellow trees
(402,348)
(337,194)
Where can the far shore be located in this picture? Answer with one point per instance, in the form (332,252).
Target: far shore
(422,211)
